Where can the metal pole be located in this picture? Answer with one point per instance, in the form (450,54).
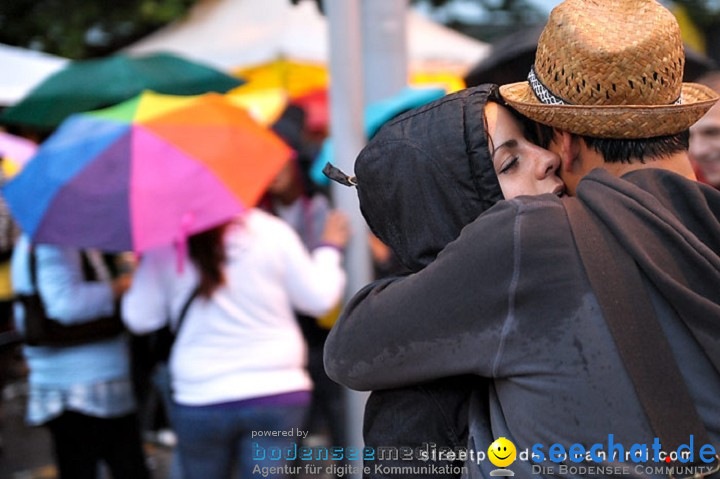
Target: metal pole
(384,48)
(348,136)
(368,62)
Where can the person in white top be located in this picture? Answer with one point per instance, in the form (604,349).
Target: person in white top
(238,363)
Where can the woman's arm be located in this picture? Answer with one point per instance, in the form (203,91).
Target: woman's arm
(449,319)
(67,297)
(145,306)
(316,281)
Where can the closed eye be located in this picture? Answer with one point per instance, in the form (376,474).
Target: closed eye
(512,163)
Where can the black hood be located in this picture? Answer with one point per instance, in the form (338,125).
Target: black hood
(427,173)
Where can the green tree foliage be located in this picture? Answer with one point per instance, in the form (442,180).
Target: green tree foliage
(83,28)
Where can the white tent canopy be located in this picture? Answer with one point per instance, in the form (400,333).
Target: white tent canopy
(235,33)
(22,70)
(430,42)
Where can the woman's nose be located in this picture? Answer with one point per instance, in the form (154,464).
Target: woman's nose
(547,163)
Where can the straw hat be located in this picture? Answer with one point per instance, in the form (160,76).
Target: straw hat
(610,69)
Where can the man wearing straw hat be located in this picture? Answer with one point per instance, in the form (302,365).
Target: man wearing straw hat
(516,298)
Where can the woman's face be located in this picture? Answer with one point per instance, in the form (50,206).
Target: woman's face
(522,167)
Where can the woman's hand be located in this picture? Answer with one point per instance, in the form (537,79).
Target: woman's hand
(337,229)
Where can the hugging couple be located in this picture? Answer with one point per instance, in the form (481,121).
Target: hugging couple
(564,264)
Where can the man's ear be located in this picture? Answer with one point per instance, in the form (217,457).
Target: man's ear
(568,149)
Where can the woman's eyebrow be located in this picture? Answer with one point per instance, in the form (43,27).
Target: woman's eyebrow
(508,144)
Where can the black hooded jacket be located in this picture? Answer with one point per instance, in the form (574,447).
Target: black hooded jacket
(427,173)
(436,160)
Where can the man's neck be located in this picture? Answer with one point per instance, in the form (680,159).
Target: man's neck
(678,163)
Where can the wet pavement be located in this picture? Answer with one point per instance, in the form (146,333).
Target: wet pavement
(26,452)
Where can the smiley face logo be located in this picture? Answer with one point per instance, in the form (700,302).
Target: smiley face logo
(502,452)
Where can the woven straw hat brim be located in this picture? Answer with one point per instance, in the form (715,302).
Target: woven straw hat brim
(614,121)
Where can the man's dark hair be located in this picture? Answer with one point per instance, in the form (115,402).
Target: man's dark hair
(642,149)
(623,150)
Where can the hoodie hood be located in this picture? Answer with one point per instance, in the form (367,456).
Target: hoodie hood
(428,173)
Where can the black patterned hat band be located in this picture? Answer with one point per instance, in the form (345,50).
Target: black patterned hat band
(545,96)
(541,91)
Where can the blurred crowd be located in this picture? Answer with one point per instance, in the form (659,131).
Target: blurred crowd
(246,306)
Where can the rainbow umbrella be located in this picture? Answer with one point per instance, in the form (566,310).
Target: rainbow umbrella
(144,173)
(15,151)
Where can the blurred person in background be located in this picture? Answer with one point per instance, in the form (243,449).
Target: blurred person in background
(238,363)
(705,137)
(293,197)
(8,336)
(8,235)
(82,393)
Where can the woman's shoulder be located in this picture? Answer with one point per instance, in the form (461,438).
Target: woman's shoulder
(257,218)
(259,224)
